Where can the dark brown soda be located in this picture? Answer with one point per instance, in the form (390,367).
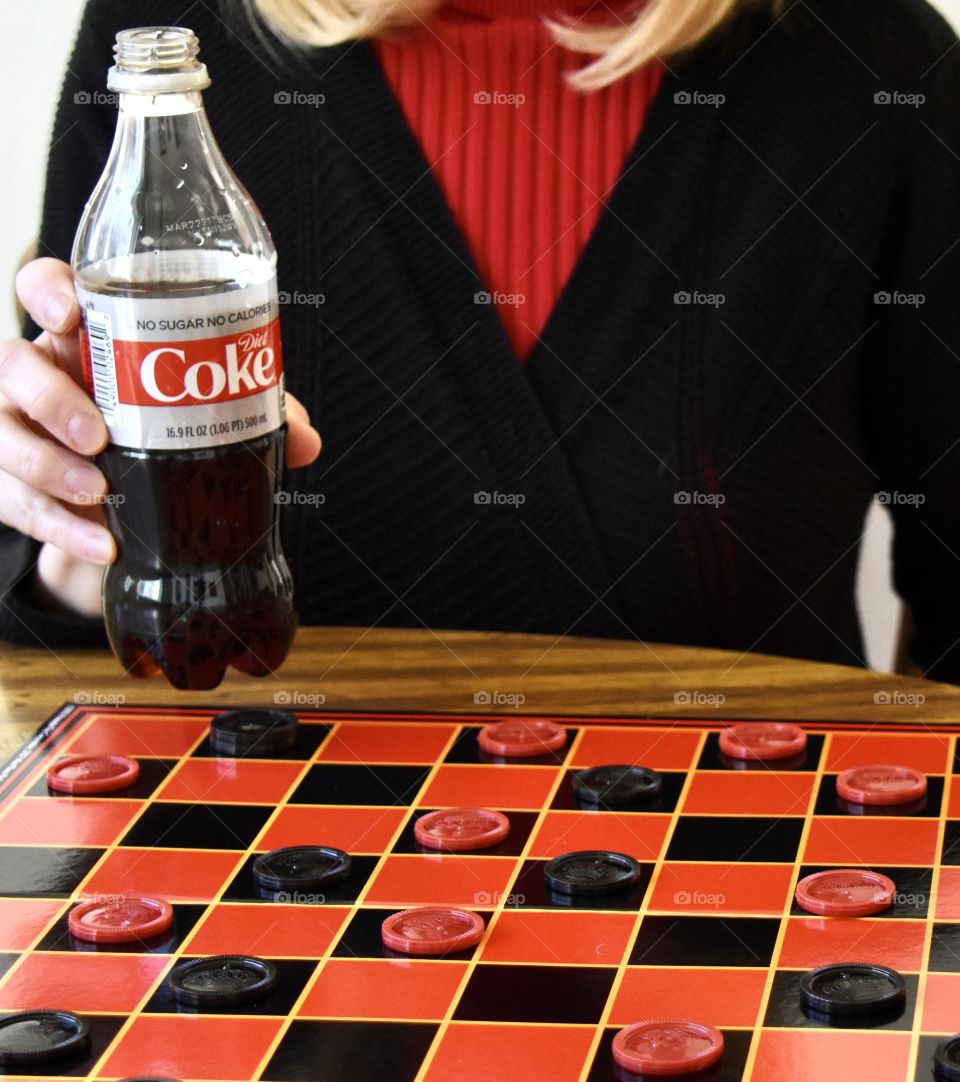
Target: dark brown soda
(200,582)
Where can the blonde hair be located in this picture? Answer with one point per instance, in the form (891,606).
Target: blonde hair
(659,29)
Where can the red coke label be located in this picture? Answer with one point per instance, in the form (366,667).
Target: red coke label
(190,372)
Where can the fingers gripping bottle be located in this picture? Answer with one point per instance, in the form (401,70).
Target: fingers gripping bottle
(176,279)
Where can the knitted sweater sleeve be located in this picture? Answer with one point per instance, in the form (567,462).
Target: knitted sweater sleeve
(911,376)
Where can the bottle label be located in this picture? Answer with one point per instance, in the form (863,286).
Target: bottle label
(177,373)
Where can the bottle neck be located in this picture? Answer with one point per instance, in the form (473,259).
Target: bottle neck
(169,104)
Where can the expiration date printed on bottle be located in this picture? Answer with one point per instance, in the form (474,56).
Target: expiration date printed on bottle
(187,372)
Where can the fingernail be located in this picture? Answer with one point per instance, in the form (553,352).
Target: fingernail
(98,547)
(84,481)
(85,431)
(57,308)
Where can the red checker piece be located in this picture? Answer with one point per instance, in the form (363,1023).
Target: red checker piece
(521,738)
(126,918)
(845,892)
(432,930)
(92,773)
(881,785)
(667,1047)
(762,740)
(461,829)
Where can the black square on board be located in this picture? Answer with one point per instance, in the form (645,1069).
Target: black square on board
(309,738)
(198,826)
(243,887)
(37,872)
(711,757)
(785,1008)
(349,783)
(828,803)
(518,993)
(362,939)
(735,839)
(103,1029)
(465,749)
(6,961)
(292,976)
(704,941)
(925,1050)
(521,823)
(912,898)
(945,949)
(666,801)
(351,1052)
(185,917)
(530,891)
(153,772)
(951,843)
(736,1045)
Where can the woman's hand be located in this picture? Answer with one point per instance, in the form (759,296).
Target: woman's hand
(49,427)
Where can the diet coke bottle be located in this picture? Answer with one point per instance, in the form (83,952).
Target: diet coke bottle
(176,279)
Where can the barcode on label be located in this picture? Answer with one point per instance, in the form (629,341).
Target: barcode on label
(102,362)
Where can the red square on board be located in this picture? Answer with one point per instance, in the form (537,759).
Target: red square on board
(63,821)
(23,919)
(953,803)
(923,751)
(207,780)
(722,888)
(274,931)
(854,841)
(948,894)
(370,988)
(504,787)
(558,937)
(749,793)
(658,749)
(818,941)
(177,875)
(168,736)
(192,1046)
(81,982)
(451,879)
(510,1053)
(386,742)
(940,1003)
(355,830)
(850,1055)
(641,836)
(720,997)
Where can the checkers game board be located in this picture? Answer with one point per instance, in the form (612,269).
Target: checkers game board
(709,931)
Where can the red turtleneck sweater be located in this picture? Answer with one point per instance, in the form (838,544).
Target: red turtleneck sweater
(524,160)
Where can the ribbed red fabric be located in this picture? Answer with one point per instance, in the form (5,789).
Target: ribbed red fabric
(524,161)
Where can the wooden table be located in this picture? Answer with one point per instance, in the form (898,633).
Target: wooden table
(465,672)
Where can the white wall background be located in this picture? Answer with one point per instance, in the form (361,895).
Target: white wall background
(35,42)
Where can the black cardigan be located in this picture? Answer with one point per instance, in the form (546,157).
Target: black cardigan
(690,472)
